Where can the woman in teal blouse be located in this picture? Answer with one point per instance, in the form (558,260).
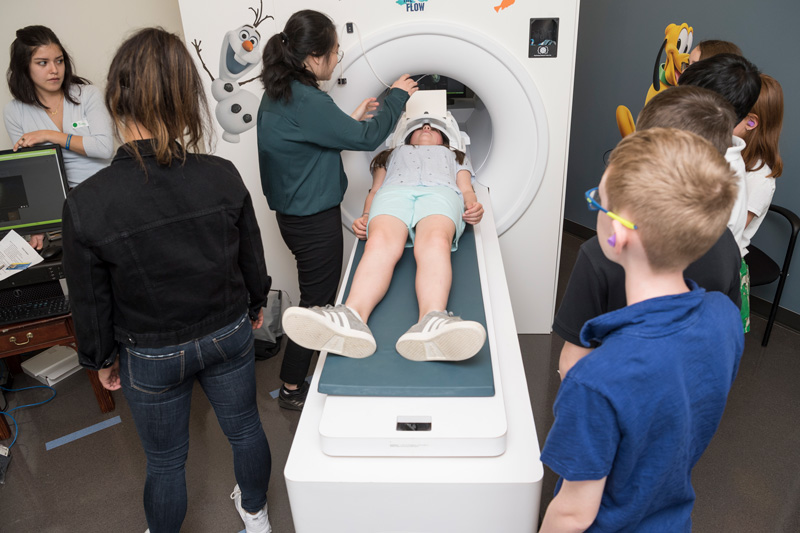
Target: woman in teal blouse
(301,133)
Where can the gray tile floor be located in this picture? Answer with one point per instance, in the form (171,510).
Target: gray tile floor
(748,480)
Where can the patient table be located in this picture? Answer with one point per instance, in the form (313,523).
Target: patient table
(390,445)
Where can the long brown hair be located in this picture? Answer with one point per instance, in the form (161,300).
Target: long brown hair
(28,40)
(762,141)
(382,159)
(154,83)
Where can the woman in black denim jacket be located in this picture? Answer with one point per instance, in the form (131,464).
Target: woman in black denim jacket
(166,275)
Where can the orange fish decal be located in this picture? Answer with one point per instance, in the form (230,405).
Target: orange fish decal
(504,4)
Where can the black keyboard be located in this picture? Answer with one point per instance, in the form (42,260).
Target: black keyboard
(22,312)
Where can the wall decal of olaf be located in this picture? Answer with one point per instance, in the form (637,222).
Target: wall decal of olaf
(236,108)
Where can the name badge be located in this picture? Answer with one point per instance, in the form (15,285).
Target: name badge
(80,124)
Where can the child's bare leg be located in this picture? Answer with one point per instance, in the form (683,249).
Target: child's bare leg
(438,336)
(387,238)
(432,244)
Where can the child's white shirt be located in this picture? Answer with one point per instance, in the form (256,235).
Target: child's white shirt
(425,166)
(738,219)
(760,190)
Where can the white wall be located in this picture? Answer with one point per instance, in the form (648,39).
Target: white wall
(208,21)
(90,30)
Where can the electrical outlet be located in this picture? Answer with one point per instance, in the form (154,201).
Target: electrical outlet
(349,27)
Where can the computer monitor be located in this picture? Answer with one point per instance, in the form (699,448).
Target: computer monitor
(33,187)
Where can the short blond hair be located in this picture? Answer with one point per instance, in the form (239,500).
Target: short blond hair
(677,188)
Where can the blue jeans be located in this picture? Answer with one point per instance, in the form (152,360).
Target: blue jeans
(158,382)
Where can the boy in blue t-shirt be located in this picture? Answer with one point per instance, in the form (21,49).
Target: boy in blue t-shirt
(633,417)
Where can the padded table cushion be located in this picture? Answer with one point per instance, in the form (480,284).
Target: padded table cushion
(387,373)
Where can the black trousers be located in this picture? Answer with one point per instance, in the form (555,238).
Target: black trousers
(317,244)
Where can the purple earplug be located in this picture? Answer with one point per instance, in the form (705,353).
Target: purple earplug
(612,241)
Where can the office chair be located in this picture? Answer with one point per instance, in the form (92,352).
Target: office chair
(763,270)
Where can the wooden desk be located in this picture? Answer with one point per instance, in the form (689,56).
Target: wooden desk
(38,335)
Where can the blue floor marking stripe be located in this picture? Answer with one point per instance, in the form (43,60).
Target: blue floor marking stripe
(82,433)
(277,391)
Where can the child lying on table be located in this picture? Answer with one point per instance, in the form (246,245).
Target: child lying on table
(421,196)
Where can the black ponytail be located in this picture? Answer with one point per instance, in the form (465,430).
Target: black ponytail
(307,33)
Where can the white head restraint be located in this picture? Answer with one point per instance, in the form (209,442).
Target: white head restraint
(428,107)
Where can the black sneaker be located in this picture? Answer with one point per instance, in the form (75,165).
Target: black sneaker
(293,399)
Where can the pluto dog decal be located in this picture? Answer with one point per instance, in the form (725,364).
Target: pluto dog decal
(236,108)
(677,45)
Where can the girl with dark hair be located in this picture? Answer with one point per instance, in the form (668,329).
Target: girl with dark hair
(165,266)
(301,133)
(53,105)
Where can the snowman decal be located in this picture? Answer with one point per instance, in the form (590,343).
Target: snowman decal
(236,108)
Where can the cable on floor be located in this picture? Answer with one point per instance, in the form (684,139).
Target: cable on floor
(8,412)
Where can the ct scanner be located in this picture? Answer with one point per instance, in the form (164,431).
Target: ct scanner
(518,146)
(518,127)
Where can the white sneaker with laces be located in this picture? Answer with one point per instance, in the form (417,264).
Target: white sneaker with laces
(440,336)
(329,329)
(253,523)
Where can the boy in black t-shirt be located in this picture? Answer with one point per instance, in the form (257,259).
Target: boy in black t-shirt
(597,285)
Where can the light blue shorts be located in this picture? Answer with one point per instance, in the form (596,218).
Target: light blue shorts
(412,203)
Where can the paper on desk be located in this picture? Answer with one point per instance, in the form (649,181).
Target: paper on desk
(16,255)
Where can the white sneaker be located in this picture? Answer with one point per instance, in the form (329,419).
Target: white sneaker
(440,336)
(331,329)
(253,523)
